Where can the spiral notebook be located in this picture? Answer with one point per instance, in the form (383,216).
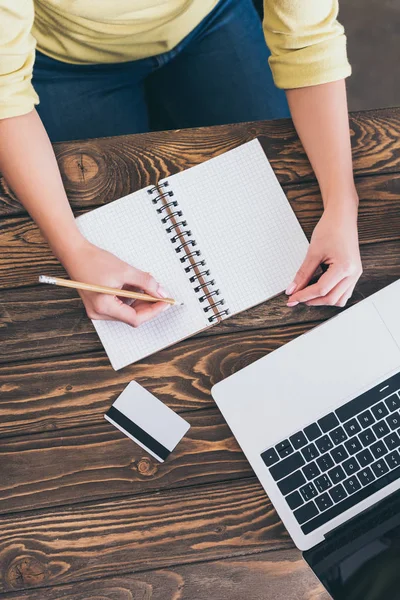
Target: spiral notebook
(220,237)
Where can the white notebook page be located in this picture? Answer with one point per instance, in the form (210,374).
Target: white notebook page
(131,229)
(243,224)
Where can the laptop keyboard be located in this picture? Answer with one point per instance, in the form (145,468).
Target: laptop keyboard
(341,459)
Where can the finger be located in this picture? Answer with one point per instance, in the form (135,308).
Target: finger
(112,308)
(95,316)
(346,297)
(143,281)
(334,295)
(305,273)
(324,285)
(137,314)
(148,310)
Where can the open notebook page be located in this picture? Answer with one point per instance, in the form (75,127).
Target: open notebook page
(131,229)
(243,224)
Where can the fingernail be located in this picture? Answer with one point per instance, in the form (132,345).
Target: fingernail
(166,305)
(161,292)
(290,289)
(292,304)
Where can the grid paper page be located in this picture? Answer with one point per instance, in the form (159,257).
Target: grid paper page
(243,224)
(131,229)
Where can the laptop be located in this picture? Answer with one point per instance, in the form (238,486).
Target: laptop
(319,421)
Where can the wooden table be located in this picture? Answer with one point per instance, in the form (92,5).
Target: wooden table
(85,512)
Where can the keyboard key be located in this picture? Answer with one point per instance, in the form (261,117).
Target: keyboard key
(338,435)
(365,457)
(298,440)
(328,422)
(294,500)
(306,512)
(378,449)
(366,476)
(287,466)
(325,462)
(323,502)
(324,444)
(310,452)
(308,491)
(379,411)
(323,483)
(392,402)
(380,468)
(367,437)
(270,457)
(339,454)
(380,429)
(351,466)
(352,446)
(352,427)
(356,406)
(311,471)
(392,440)
(350,501)
(352,485)
(393,459)
(294,481)
(312,432)
(366,419)
(284,448)
(337,474)
(338,493)
(393,421)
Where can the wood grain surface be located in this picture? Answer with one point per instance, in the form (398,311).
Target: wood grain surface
(71,391)
(98,171)
(261,575)
(25,254)
(46,321)
(98,461)
(137,533)
(85,514)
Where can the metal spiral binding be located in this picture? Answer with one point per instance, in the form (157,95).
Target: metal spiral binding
(221,313)
(156,187)
(204,285)
(184,244)
(190,255)
(198,275)
(177,213)
(209,307)
(185,241)
(164,195)
(206,296)
(175,225)
(165,206)
(179,235)
(199,263)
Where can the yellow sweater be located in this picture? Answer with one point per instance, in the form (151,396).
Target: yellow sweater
(307,43)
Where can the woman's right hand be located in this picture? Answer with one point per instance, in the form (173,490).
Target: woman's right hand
(28,164)
(89,264)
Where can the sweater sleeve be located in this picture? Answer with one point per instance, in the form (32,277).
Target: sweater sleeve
(307,44)
(17,56)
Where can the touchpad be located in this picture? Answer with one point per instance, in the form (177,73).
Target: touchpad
(387,303)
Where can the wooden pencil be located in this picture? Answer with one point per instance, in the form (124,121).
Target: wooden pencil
(77,285)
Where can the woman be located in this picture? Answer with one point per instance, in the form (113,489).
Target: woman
(125,66)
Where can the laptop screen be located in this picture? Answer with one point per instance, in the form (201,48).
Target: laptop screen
(362,562)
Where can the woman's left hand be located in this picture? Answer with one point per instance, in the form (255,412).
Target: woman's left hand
(334,242)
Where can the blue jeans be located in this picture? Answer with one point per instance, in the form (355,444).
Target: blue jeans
(218,74)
